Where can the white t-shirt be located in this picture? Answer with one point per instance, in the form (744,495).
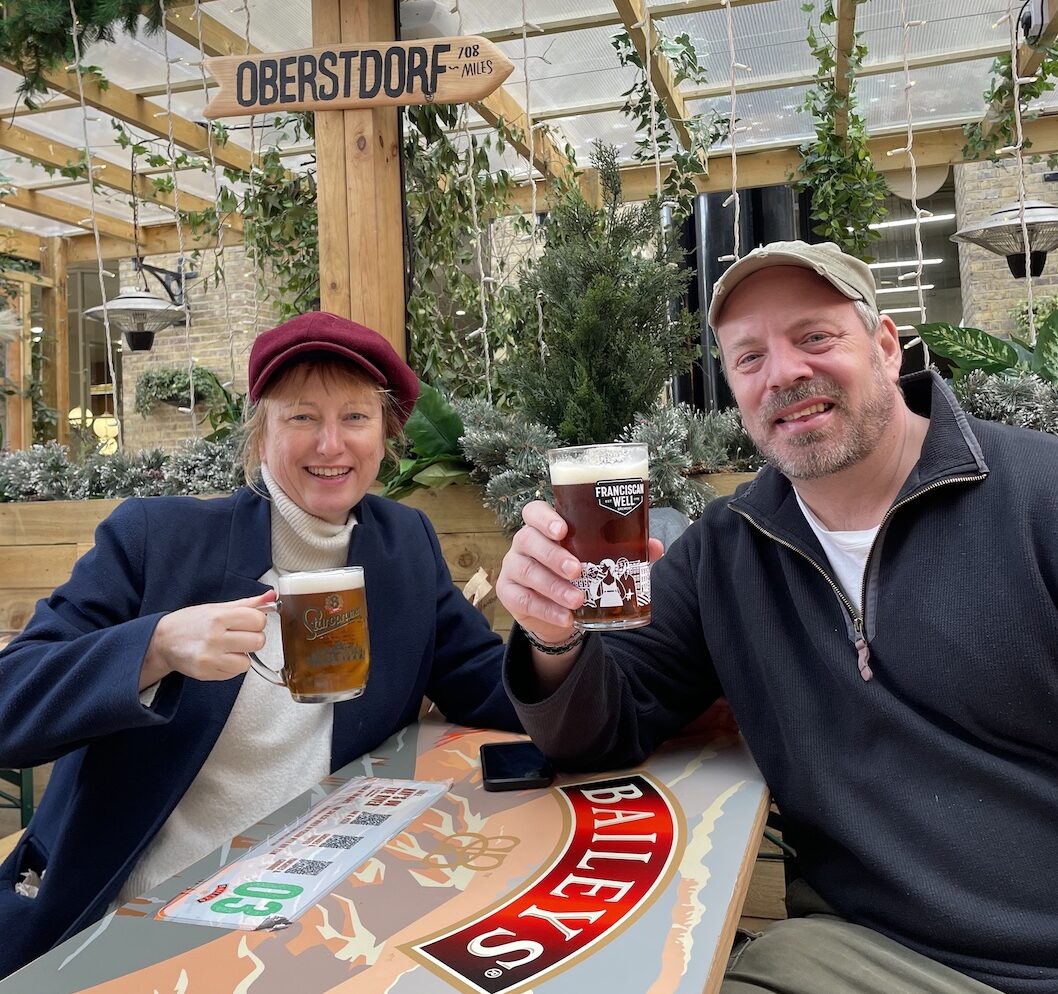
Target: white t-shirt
(847,552)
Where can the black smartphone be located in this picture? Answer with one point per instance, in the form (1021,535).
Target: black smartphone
(514,766)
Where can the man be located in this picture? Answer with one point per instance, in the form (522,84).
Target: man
(880,606)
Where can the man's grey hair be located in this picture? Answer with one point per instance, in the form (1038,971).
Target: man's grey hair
(868,315)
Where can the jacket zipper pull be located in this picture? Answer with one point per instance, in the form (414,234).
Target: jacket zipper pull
(863,651)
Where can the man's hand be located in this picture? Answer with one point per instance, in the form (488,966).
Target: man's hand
(207,641)
(534,585)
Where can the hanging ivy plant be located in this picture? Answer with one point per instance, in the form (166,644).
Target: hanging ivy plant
(171,385)
(848,193)
(1000,99)
(705,130)
(36,35)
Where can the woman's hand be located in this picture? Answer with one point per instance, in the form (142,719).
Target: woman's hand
(207,641)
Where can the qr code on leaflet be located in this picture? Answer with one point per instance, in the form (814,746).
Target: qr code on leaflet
(308,867)
(367,818)
(340,841)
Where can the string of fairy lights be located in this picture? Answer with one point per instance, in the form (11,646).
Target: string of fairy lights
(908,149)
(173,172)
(110,365)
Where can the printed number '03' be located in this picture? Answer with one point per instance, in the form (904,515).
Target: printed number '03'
(256,889)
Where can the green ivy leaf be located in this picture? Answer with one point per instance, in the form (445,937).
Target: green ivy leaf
(1045,357)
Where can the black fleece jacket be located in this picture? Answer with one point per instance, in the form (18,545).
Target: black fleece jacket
(923,802)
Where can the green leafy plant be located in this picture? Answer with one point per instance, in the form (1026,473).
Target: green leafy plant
(848,193)
(971,348)
(999,127)
(705,130)
(432,455)
(37,36)
(610,339)
(172,385)
(1013,397)
(1042,309)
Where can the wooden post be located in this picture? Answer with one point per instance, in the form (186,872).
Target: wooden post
(56,342)
(20,372)
(358,187)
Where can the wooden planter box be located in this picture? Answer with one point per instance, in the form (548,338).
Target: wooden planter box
(40,542)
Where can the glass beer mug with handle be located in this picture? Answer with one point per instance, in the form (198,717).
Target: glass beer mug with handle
(603,493)
(323,625)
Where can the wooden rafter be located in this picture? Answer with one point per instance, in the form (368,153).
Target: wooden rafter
(54,209)
(1030,58)
(658,66)
(501,105)
(49,152)
(66,103)
(160,239)
(139,111)
(843,45)
(21,244)
(768,167)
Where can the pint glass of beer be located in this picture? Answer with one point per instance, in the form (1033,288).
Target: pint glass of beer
(323,621)
(602,493)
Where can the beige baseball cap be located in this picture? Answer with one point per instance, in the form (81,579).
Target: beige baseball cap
(844,272)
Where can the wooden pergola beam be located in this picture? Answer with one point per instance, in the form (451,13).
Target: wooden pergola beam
(67,103)
(772,166)
(501,105)
(1029,60)
(1030,57)
(843,46)
(139,111)
(217,38)
(560,25)
(53,153)
(658,67)
(42,205)
(159,239)
(21,244)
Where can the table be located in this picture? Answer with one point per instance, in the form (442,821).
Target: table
(630,881)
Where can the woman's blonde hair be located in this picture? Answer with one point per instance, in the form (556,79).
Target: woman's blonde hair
(332,372)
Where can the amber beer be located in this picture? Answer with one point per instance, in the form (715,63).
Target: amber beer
(603,494)
(323,620)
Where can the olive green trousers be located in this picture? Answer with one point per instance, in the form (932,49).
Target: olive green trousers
(821,953)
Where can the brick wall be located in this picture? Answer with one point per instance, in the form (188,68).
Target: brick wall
(219,335)
(989,292)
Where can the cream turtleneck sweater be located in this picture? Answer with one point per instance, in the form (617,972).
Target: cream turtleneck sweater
(271,748)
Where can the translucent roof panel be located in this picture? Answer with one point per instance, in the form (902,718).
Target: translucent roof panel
(490,15)
(575,67)
(945,93)
(769,38)
(764,117)
(949,27)
(612,127)
(273,27)
(140,59)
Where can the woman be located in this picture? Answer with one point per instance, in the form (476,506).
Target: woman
(132,675)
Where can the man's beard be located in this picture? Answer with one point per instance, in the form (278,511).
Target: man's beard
(815,454)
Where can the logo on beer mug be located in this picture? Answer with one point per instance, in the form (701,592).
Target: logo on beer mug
(621,496)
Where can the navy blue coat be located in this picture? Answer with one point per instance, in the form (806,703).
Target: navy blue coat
(69,686)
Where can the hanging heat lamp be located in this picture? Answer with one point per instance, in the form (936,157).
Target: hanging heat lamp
(139,314)
(1001,233)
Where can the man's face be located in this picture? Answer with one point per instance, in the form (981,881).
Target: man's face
(816,391)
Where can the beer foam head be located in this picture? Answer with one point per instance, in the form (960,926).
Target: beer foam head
(322,581)
(591,463)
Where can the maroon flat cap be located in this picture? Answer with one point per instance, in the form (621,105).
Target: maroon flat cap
(319,331)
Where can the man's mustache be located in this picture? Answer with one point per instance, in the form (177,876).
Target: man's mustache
(770,409)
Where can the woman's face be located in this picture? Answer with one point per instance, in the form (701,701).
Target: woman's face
(324,441)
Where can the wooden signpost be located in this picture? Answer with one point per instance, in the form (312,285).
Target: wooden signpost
(339,77)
